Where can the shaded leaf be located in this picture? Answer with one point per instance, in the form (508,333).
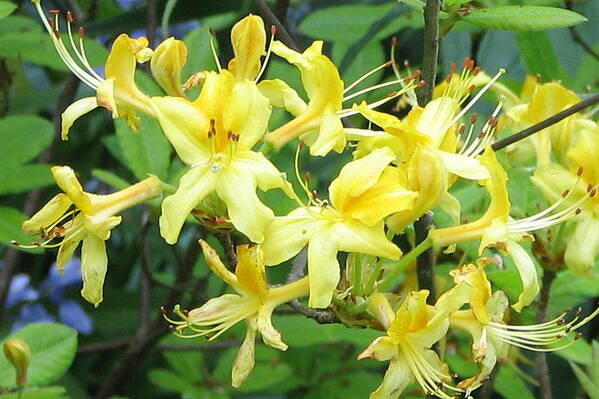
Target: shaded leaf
(23,137)
(538,56)
(6,8)
(37,393)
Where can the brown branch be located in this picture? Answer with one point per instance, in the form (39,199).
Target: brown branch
(104,346)
(541,358)
(270,17)
(552,120)
(425,262)
(430,52)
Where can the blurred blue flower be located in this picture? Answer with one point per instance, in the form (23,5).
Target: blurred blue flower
(53,288)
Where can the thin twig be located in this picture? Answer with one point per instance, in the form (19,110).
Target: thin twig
(207,347)
(103,346)
(425,261)
(270,17)
(144,283)
(298,266)
(541,358)
(151,21)
(552,120)
(430,51)
(229,246)
(578,38)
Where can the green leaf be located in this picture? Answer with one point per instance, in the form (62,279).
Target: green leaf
(510,385)
(110,178)
(37,393)
(23,137)
(350,23)
(538,56)
(523,18)
(10,227)
(355,385)
(355,60)
(53,349)
(19,23)
(187,364)
(6,8)
(15,178)
(297,332)
(144,152)
(579,352)
(587,384)
(38,48)
(168,380)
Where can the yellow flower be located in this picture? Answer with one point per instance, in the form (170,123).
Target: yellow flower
(538,102)
(253,303)
(166,65)
(411,331)
(214,135)
(492,337)
(90,221)
(117,92)
(365,192)
(496,229)
(579,177)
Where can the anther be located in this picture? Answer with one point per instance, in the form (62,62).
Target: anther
(568,310)
(212,32)
(81,32)
(565,194)
(577,211)
(493,121)
(14,242)
(470,64)
(578,335)
(561,322)
(70,17)
(325,203)
(538,76)
(54,12)
(308,177)
(593,192)
(589,188)
(453,68)
(172,328)
(579,311)
(162,310)
(394,41)
(462,129)
(185,312)
(471,89)
(448,78)
(579,171)
(273,30)
(473,118)
(476,71)
(439,384)
(314,194)
(422,83)
(406,63)
(392,94)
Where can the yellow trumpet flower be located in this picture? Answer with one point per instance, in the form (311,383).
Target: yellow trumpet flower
(253,303)
(90,222)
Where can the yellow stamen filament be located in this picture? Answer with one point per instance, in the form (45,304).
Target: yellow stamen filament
(273,30)
(214,53)
(366,75)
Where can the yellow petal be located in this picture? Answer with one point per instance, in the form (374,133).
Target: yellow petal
(583,246)
(244,362)
(434,119)
(528,275)
(412,316)
(166,64)
(105,97)
(330,135)
(250,270)
(266,174)
(73,112)
(185,127)
(350,236)
(323,269)
(381,349)
(237,189)
(358,176)
(282,96)
(120,65)
(94,263)
(286,236)
(397,377)
(67,181)
(193,187)
(463,166)
(248,39)
(584,154)
(101,226)
(270,335)
(49,214)
(69,244)
(216,265)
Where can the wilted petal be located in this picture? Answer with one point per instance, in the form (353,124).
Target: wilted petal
(244,362)
(94,263)
(193,187)
(73,112)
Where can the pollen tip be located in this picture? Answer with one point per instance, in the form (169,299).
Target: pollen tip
(473,118)
(578,335)
(422,83)
(185,312)
(15,242)
(471,89)
(172,328)
(493,121)
(273,30)
(453,68)
(593,192)
(476,71)
(566,193)
(54,12)
(70,17)
(392,94)
(577,211)
(579,171)
(212,31)
(394,41)
(448,78)
(466,62)
(81,32)
(406,63)
(162,310)
(388,63)
(462,129)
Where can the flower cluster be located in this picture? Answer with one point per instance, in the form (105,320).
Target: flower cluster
(401,168)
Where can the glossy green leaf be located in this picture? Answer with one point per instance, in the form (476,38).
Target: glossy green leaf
(10,227)
(110,178)
(38,48)
(15,178)
(53,349)
(146,151)
(6,8)
(296,332)
(349,23)
(23,137)
(37,393)
(510,385)
(589,386)
(524,18)
(168,380)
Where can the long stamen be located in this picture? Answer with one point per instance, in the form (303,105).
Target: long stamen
(344,113)
(367,74)
(371,88)
(213,49)
(80,54)
(273,30)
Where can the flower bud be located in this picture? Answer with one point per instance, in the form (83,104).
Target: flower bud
(18,353)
